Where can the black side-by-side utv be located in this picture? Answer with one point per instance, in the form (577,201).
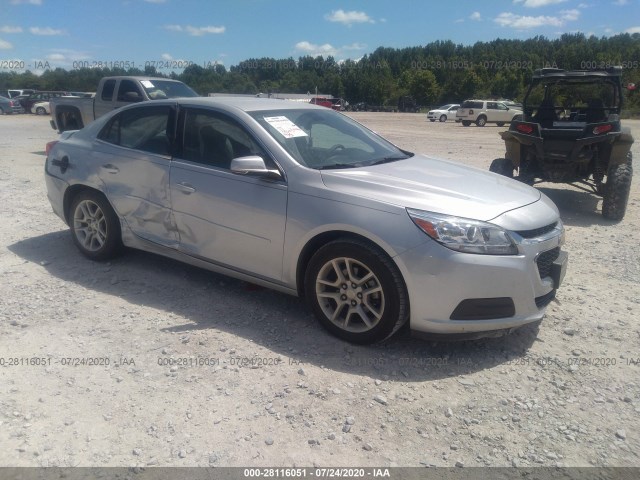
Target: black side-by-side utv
(570,132)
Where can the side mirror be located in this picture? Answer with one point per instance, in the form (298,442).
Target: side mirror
(132,97)
(253,165)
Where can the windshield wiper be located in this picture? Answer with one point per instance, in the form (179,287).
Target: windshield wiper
(388,160)
(339,165)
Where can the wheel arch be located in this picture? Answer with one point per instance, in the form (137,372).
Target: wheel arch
(317,241)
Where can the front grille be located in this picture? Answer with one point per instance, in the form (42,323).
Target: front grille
(537,232)
(545,300)
(545,261)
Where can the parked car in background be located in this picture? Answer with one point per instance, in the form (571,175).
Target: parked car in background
(307,201)
(73,113)
(13,93)
(482,112)
(443,113)
(41,108)
(37,97)
(9,106)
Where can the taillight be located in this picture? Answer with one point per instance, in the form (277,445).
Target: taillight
(49,147)
(600,129)
(525,128)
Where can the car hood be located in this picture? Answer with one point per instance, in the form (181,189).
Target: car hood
(434,185)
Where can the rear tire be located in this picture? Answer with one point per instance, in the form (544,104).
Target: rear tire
(356,291)
(616,190)
(95,227)
(481,121)
(466,123)
(443,118)
(502,166)
(41,111)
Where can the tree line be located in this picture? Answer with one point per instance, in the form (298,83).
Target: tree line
(436,73)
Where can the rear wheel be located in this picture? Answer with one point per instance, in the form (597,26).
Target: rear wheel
(95,226)
(356,291)
(41,111)
(502,166)
(616,190)
(466,123)
(443,118)
(481,121)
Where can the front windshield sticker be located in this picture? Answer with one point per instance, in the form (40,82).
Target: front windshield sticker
(286,127)
(146,84)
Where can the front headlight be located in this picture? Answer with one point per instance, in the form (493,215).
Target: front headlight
(464,234)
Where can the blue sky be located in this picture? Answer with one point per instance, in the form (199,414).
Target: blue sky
(64,33)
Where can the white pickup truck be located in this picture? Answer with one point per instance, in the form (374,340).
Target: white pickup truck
(68,113)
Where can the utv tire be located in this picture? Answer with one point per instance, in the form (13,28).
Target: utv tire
(616,190)
(502,166)
(466,123)
(481,121)
(95,227)
(356,291)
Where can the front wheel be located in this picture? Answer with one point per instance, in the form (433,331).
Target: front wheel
(41,111)
(356,291)
(95,226)
(616,190)
(502,166)
(443,118)
(466,123)
(481,121)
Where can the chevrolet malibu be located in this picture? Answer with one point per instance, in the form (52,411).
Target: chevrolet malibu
(305,200)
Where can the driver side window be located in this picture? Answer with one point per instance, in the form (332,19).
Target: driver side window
(214,139)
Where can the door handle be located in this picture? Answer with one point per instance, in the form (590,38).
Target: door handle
(111,168)
(185,188)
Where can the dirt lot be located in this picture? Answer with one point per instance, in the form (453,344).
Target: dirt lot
(190,368)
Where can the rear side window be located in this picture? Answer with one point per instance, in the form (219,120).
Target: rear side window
(107,90)
(471,104)
(145,129)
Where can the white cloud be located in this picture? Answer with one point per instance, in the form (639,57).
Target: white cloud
(621,2)
(47,31)
(56,57)
(31,2)
(10,29)
(4,45)
(537,3)
(524,22)
(632,30)
(316,50)
(355,46)
(196,31)
(475,16)
(348,18)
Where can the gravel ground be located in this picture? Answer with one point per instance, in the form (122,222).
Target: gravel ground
(190,368)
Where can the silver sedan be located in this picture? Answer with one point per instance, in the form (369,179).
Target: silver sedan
(307,201)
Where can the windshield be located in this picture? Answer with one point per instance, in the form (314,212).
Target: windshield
(324,139)
(161,89)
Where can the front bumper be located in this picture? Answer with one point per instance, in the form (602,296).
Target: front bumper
(440,281)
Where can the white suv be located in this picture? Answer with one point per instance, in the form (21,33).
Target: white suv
(482,112)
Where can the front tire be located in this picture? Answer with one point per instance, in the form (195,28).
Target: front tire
(481,121)
(41,111)
(94,226)
(356,291)
(502,166)
(616,190)
(443,118)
